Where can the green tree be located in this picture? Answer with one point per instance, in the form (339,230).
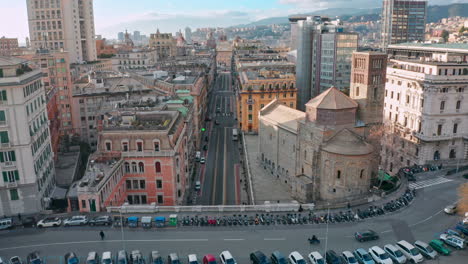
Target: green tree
(462,29)
(445,35)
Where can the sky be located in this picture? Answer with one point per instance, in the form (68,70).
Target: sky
(112,16)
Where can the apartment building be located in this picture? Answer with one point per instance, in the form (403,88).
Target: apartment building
(26,157)
(134,59)
(8,46)
(164,43)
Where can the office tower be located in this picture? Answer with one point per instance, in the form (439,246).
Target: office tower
(403,21)
(188,35)
(294,29)
(120,36)
(26,158)
(324,54)
(136,36)
(63,25)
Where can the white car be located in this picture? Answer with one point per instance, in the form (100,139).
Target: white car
(226,258)
(316,258)
(296,258)
(192,259)
(395,254)
(465,221)
(450,209)
(454,241)
(411,253)
(202,160)
(425,249)
(379,255)
(349,257)
(107,258)
(49,222)
(76,220)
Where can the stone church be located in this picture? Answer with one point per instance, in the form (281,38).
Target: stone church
(321,155)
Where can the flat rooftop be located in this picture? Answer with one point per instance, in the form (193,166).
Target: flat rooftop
(151,120)
(257,75)
(445,47)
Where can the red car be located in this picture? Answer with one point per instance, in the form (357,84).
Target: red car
(209,259)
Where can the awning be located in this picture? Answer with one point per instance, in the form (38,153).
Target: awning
(383,176)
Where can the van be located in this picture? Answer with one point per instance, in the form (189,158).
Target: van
(106,257)
(409,251)
(173,259)
(93,258)
(6,223)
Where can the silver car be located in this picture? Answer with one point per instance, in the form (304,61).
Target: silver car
(425,249)
(395,254)
(76,220)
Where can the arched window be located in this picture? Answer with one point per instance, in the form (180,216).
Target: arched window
(141,167)
(157,167)
(437,155)
(362,174)
(177,162)
(156,145)
(134,167)
(338,174)
(127,167)
(357,91)
(452,154)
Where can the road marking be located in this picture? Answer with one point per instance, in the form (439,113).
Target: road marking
(213,193)
(225,167)
(274,239)
(233,239)
(427,183)
(105,241)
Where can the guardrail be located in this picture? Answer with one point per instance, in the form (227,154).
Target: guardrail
(267,207)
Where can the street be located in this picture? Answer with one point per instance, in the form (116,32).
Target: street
(220,174)
(423,220)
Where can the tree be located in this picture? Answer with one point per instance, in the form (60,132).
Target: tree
(445,35)
(462,29)
(462,205)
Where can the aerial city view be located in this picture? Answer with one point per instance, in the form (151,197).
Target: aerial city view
(233,132)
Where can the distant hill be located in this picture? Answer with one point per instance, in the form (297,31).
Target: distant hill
(434,14)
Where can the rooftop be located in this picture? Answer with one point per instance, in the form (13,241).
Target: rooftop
(151,120)
(10,61)
(346,142)
(265,75)
(446,47)
(332,99)
(282,115)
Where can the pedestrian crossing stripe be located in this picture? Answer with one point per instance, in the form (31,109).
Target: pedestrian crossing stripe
(427,183)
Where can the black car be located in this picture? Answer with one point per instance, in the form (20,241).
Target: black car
(100,220)
(205,147)
(29,221)
(366,235)
(332,258)
(257,257)
(34,258)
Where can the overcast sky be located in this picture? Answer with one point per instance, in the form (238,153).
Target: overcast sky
(112,16)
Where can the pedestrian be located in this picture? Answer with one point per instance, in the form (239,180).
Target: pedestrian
(101,234)
(19,216)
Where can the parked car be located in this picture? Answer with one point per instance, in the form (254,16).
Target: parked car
(278,258)
(366,235)
(349,257)
(34,258)
(438,246)
(136,257)
(332,258)
(107,258)
(209,259)
(395,254)
(49,222)
(450,209)
(71,258)
(465,220)
(462,228)
(122,257)
(411,253)
(226,258)
(257,257)
(363,256)
(454,241)
(28,221)
(197,185)
(296,258)
(1,261)
(173,258)
(202,160)
(76,220)
(93,258)
(15,260)
(101,220)
(379,255)
(192,259)
(425,249)
(155,258)
(316,258)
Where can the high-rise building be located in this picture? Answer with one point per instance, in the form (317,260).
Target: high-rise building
(403,21)
(294,30)
(425,109)
(368,85)
(120,36)
(188,35)
(324,54)
(63,25)
(26,157)
(136,36)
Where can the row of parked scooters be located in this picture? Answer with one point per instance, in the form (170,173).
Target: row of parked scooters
(300,218)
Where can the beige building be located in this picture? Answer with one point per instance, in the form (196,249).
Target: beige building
(224,54)
(333,162)
(66,25)
(164,43)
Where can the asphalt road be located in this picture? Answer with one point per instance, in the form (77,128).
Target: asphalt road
(423,220)
(219,177)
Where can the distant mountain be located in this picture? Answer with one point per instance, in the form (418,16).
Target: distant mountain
(434,14)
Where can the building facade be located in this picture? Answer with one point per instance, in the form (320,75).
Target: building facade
(403,21)
(224,54)
(8,46)
(63,25)
(134,59)
(164,44)
(259,88)
(26,157)
(294,30)
(425,112)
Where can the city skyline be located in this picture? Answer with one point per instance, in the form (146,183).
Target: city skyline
(171,16)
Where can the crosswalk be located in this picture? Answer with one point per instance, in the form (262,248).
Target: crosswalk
(429,182)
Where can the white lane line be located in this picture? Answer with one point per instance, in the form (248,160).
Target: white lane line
(274,239)
(105,241)
(233,239)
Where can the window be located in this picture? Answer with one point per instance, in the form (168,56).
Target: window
(135,184)
(156,145)
(442,105)
(160,199)
(141,167)
(139,146)
(14,194)
(361,174)
(179,193)
(125,146)
(455,128)
(250,107)
(452,154)
(437,155)
(3,95)
(416,153)
(134,167)
(398,96)
(4,137)
(439,129)
(128,184)
(357,91)
(7,156)
(2,118)
(250,117)
(83,204)
(457,107)
(10,176)
(127,167)
(142,184)
(159,184)
(338,174)
(157,167)
(108,146)
(391,95)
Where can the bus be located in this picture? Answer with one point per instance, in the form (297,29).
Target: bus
(235,135)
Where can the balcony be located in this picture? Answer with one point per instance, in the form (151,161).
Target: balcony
(434,137)
(8,164)
(250,101)
(145,154)
(11,184)
(5,145)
